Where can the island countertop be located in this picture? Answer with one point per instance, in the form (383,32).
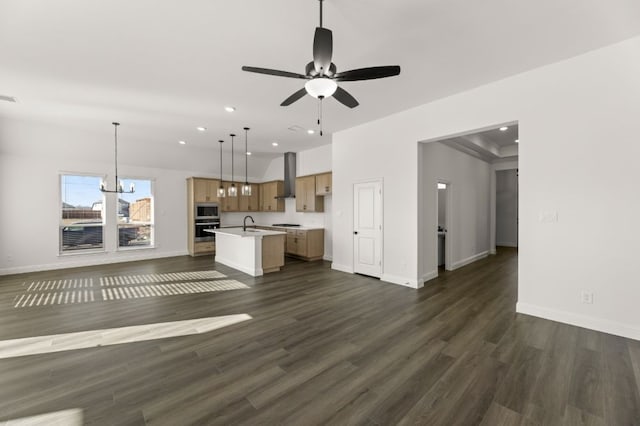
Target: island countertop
(250,232)
(259,225)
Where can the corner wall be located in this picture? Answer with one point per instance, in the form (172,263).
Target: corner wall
(578,132)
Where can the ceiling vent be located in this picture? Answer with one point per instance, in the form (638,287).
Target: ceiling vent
(295,128)
(7,98)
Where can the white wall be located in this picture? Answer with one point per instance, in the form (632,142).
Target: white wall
(468,186)
(507,208)
(580,112)
(30,214)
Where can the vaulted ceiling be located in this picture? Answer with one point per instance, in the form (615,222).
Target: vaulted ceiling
(162,68)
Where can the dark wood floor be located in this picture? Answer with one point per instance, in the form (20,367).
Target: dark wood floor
(322,347)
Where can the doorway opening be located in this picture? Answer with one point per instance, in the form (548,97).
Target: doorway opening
(443,208)
(506,227)
(457,223)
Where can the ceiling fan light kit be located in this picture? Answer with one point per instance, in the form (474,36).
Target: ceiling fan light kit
(321,87)
(321,74)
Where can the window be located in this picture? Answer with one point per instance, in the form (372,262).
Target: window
(135,215)
(81,218)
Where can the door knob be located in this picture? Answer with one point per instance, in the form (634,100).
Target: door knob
(355,232)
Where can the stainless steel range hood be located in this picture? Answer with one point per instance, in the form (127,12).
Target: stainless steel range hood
(289,175)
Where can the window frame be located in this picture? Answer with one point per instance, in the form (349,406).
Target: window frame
(152,245)
(61,251)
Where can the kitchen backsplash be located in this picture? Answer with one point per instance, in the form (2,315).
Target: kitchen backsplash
(288,216)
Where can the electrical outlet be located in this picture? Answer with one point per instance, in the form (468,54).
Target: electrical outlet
(587,297)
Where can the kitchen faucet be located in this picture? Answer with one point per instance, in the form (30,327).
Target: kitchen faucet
(244,223)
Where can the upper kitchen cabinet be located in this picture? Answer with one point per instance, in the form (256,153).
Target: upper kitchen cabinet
(230,204)
(250,203)
(205,190)
(323,184)
(306,198)
(268,193)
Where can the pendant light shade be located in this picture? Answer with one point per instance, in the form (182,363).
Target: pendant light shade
(233,191)
(221,187)
(118,183)
(246,188)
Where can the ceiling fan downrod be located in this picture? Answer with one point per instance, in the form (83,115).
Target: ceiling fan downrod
(320,12)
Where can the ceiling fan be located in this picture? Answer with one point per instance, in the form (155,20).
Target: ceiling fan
(321,74)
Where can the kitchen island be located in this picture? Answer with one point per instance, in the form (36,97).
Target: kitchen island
(252,251)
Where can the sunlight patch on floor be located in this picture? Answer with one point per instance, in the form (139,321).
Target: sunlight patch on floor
(114,336)
(73,291)
(71,417)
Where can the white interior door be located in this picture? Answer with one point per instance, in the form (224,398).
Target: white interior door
(367,228)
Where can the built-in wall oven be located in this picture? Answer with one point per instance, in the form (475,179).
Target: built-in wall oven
(207,218)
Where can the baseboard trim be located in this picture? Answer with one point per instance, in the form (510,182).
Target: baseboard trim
(91,260)
(327,258)
(341,268)
(507,245)
(468,260)
(579,320)
(429,276)
(403,281)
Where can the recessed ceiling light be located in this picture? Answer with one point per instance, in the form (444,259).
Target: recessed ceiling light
(182,142)
(274,143)
(311,131)
(201,129)
(517,140)
(248,153)
(229,109)
(502,129)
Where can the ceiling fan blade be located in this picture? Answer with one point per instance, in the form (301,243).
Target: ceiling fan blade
(291,99)
(322,49)
(274,72)
(345,98)
(368,73)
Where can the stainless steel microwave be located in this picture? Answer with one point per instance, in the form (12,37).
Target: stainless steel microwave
(207,210)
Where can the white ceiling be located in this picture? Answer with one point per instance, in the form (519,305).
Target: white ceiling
(164,67)
(490,145)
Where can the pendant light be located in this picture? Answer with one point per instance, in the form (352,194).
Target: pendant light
(246,188)
(221,187)
(119,188)
(233,191)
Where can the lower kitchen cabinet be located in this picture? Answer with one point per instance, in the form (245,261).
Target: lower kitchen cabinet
(306,244)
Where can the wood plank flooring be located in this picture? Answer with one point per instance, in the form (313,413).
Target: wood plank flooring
(321,347)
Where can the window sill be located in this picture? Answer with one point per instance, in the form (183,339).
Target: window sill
(81,252)
(135,248)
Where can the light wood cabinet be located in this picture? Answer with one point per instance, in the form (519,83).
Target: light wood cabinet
(250,203)
(268,192)
(307,244)
(229,204)
(272,253)
(205,190)
(199,190)
(323,184)
(306,198)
